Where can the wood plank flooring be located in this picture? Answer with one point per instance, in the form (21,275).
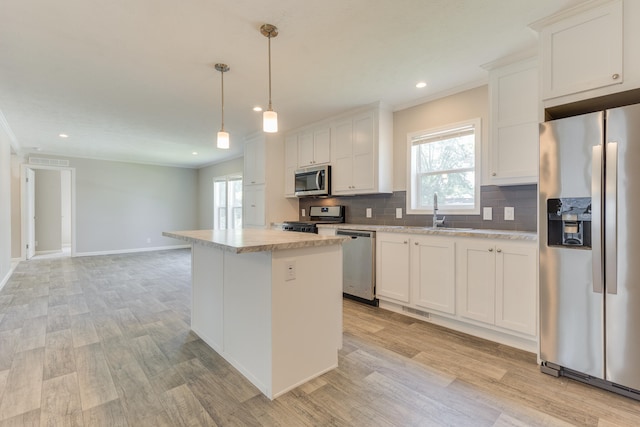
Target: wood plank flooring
(105,341)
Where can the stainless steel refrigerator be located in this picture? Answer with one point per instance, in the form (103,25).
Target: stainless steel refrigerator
(590,248)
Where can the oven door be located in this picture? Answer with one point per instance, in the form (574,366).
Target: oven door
(313,181)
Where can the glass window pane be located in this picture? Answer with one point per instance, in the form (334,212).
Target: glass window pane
(455,190)
(447,154)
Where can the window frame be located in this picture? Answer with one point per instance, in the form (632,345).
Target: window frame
(228,208)
(411,191)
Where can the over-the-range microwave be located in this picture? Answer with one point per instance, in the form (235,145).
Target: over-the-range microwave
(313,181)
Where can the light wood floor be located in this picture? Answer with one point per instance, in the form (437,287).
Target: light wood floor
(105,341)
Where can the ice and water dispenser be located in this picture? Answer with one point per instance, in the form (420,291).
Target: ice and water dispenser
(569,222)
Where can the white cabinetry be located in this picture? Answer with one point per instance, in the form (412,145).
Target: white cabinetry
(314,147)
(362,153)
(433,273)
(263,179)
(589,51)
(513,148)
(392,266)
(497,283)
(417,270)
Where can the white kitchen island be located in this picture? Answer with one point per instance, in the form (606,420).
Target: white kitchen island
(268,301)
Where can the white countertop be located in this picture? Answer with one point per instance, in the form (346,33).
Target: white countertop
(441,231)
(253,240)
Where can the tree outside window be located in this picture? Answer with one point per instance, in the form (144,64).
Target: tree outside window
(445,161)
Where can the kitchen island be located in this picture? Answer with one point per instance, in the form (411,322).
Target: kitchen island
(268,301)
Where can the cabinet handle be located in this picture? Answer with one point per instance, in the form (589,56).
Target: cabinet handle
(490,249)
(615,76)
(498,250)
(415,243)
(493,174)
(405,242)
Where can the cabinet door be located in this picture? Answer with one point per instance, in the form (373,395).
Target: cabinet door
(514,124)
(364,138)
(516,275)
(290,164)
(253,206)
(583,52)
(476,280)
(322,146)
(254,161)
(305,149)
(342,171)
(433,273)
(392,267)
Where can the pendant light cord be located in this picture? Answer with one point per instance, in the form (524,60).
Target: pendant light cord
(270,108)
(222,90)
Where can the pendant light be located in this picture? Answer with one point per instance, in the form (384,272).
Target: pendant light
(269,117)
(223,136)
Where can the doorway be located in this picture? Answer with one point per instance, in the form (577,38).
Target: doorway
(48,211)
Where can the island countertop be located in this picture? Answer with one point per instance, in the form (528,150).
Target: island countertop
(253,240)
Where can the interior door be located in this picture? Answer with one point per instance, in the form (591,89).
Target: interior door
(31,213)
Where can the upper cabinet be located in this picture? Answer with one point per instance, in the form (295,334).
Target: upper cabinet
(362,152)
(263,179)
(582,51)
(513,145)
(314,147)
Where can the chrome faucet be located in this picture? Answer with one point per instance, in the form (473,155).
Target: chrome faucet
(435,210)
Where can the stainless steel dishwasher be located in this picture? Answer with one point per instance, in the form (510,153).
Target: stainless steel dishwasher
(358,265)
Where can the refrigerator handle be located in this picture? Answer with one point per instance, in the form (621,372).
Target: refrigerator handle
(596,218)
(611,217)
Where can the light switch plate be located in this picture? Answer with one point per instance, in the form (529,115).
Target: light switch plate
(487,214)
(304,213)
(508,214)
(290,272)
(368,212)
(398,213)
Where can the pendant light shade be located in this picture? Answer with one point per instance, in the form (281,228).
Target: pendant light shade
(223,136)
(269,117)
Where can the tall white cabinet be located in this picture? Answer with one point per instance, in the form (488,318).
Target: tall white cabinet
(263,180)
(513,134)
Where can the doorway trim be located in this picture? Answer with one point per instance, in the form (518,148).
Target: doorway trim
(24,221)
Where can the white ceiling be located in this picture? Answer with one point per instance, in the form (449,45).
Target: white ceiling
(134,80)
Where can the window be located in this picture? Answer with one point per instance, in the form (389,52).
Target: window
(444,161)
(227,202)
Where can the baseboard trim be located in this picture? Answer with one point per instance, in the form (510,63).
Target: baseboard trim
(130,251)
(5,279)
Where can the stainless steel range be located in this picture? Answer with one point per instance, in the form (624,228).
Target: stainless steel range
(318,215)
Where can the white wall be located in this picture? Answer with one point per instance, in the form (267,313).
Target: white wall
(5,206)
(16,208)
(205,188)
(65,202)
(120,205)
(48,210)
(451,109)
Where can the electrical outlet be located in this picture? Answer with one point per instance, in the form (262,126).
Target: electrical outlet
(304,213)
(290,272)
(487,214)
(398,213)
(368,212)
(508,213)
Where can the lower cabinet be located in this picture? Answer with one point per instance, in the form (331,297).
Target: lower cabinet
(392,266)
(486,284)
(497,283)
(416,269)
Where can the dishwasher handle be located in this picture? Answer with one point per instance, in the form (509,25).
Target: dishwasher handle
(354,234)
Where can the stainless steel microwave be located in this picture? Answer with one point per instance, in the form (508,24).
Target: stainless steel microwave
(313,181)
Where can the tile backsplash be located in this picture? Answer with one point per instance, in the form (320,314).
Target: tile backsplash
(523,198)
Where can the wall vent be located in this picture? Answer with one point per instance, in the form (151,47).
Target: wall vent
(47,162)
(420,313)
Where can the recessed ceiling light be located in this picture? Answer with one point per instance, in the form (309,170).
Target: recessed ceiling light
(195,153)
(63,135)
(257,109)
(420,85)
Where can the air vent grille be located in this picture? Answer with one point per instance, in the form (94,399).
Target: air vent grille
(416,312)
(48,162)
